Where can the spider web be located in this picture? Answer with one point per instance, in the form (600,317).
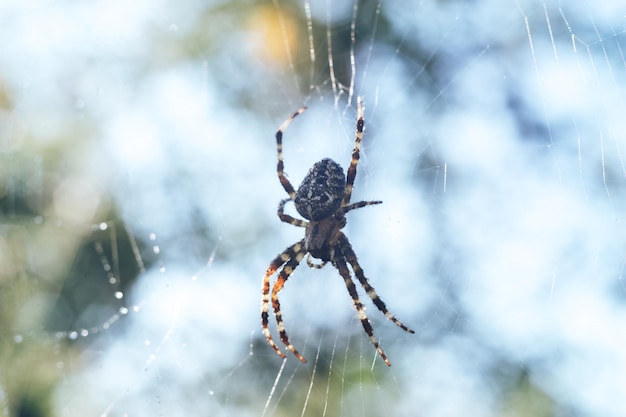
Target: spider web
(138,198)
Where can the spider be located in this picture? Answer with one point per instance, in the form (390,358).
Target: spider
(323,199)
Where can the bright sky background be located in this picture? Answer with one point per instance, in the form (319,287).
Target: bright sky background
(494,136)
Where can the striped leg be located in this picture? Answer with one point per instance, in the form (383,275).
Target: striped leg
(311,264)
(279,146)
(355,154)
(287,218)
(346,248)
(279,261)
(358,205)
(340,264)
(287,270)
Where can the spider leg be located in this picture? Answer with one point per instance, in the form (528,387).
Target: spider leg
(287,218)
(340,264)
(279,146)
(358,205)
(355,154)
(284,274)
(279,261)
(311,264)
(350,256)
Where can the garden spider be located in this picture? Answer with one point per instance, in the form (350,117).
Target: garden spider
(323,199)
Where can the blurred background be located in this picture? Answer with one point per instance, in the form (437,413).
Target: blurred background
(138,198)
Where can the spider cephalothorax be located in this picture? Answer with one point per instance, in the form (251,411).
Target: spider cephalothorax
(323,198)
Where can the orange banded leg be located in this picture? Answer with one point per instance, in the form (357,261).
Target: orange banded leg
(284,274)
(280,260)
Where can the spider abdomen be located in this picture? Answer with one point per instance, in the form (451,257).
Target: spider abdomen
(321,191)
